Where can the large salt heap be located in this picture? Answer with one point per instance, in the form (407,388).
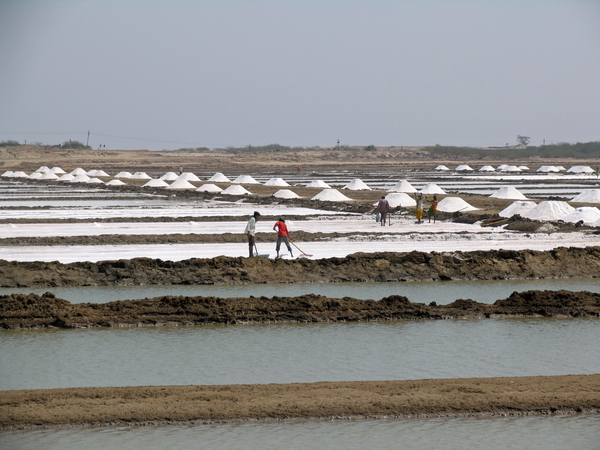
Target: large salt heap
(169,176)
(357,185)
(123,175)
(35,175)
(236,190)
(589,214)
(219,178)
(115,183)
(141,176)
(511,169)
(181,185)
(550,210)
(66,177)
(508,192)
(49,176)
(156,183)
(548,169)
(78,171)
(285,193)
(487,169)
(318,184)
(209,187)
(188,176)
(432,188)
(463,168)
(402,199)
(441,167)
(330,195)
(454,204)
(521,208)
(589,196)
(276,182)
(8,173)
(580,169)
(83,178)
(57,170)
(402,186)
(245,179)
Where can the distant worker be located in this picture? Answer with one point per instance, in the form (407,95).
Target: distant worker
(283,235)
(419,208)
(251,232)
(432,212)
(383,207)
(181,170)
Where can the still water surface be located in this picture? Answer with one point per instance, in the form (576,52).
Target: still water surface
(442,292)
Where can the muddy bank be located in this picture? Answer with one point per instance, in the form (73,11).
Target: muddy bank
(358,267)
(151,405)
(20,311)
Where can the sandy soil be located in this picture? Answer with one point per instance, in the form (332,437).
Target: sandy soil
(340,400)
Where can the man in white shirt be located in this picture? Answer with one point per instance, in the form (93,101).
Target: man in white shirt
(251,231)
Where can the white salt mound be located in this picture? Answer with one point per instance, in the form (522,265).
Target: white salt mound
(244,179)
(66,177)
(8,173)
(115,183)
(432,188)
(590,196)
(235,190)
(547,169)
(49,176)
(550,210)
(589,214)
(487,169)
(453,204)
(318,184)
(330,195)
(285,193)
(57,170)
(511,169)
(42,169)
(520,208)
(402,186)
(209,187)
(463,168)
(402,199)
(188,176)
(169,176)
(83,178)
(580,169)
(219,178)
(78,171)
(123,175)
(97,173)
(441,167)
(357,185)
(181,184)
(276,182)
(509,192)
(19,174)
(502,166)
(95,181)
(156,183)
(140,176)
(523,168)
(35,175)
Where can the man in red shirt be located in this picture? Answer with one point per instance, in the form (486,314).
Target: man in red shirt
(283,235)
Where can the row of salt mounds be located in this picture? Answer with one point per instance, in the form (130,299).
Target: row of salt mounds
(432,188)
(330,195)
(169,176)
(115,183)
(245,179)
(181,185)
(403,186)
(509,192)
(548,169)
(236,190)
(209,187)
(454,204)
(97,173)
(357,185)
(318,184)
(520,208)
(589,214)
(487,169)
(581,169)
(276,182)
(219,178)
(463,168)
(441,167)
(156,183)
(285,193)
(83,178)
(141,176)
(590,196)
(188,176)
(550,210)
(123,175)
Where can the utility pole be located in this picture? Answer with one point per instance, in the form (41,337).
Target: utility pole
(88,139)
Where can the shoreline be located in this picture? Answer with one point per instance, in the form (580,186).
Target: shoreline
(144,405)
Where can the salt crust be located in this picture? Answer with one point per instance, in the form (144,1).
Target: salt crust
(509,192)
(330,195)
(590,196)
(181,184)
(285,193)
(219,178)
(432,188)
(357,185)
(550,210)
(236,190)
(589,214)
(402,186)
(318,184)
(209,187)
(156,183)
(276,182)
(453,204)
(244,179)
(520,208)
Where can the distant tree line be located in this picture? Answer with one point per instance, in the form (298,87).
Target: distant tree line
(580,150)
(66,144)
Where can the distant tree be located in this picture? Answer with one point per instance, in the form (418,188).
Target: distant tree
(370,148)
(72,144)
(9,144)
(523,139)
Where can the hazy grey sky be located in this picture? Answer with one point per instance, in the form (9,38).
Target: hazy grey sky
(169,74)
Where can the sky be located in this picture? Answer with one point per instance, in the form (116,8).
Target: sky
(160,74)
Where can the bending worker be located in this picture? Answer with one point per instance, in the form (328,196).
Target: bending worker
(283,235)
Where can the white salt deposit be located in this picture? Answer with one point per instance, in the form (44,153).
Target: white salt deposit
(8,173)
(245,179)
(547,169)
(57,170)
(91,173)
(441,167)
(276,182)
(78,171)
(219,178)
(511,169)
(66,177)
(123,175)
(236,190)
(550,210)
(19,174)
(560,168)
(115,183)
(330,195)
(487,169)
(140,176)
(520,208)
(402,186)
(509,192)
(42,169)
(169,176)
(463,168)
(181,185)
(188,176)
(100,173)
(285,193)
(402,199)
(318,184)
(580,169)
(83,178)
(523,168)
(502,166)
(357,185)
(156,183)
(209,187)
(432,188)
(589,196)
(453,204)
(95,181)
(49,176)
(589,214)
(35,175)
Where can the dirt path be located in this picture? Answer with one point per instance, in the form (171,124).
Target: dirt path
(372,399)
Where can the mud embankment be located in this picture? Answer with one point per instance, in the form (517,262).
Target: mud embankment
(20,311)
(151,405)
(358,267)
